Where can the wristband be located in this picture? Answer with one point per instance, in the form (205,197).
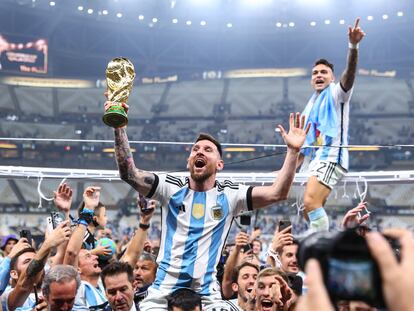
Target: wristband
(144,226)
(82,222)
(88,211)
(353,46)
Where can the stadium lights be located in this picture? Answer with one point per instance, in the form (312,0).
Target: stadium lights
(370,17)
(400,13)
(291,24)
(203,23)
(327,21)
(80,8)
(52,3)
(313,24)
(119,15)
(141,17)
(342,22)
(385,16)
(229,25)
(105,12)
(90,11)
(278,24)
(188,23)
(154,19)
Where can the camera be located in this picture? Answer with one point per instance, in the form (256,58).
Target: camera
(349,270)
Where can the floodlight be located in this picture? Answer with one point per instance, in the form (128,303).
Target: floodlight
(80,8)
(385,16)
(291,24)
(327,21)
(90,11)
(141,17)
(313,24)
(278,24)
(105,12)
(203,23)
(119,15)
(370,17)
(400,13)
(229,25)
(342,22)
(52,3)
(175,21)
(188,23)
(154,19)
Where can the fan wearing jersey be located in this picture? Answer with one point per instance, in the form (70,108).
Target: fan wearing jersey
(328,112)
(197,212)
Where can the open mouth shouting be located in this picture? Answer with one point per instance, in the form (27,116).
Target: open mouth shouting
(319,82)
(200,162)
(266,304)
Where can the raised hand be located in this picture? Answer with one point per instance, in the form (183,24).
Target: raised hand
(147,211)
(296,136)
(20,245)
(59,235)
(91,197)
(355,34)
(282,238)
(108,104)
(352,217)
(397,276)
(63,198)
(102,250)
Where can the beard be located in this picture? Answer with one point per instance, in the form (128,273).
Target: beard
(202,177)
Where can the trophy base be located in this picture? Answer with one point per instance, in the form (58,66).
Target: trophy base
(115,117)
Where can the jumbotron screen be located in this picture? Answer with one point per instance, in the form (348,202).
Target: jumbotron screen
(18,54)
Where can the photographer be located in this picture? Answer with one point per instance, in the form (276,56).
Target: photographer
(397,277)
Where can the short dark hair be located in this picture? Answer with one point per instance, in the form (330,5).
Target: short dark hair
(13,261)
(116,268)
(185,299)
(236,270)
(205,136)
(323,61)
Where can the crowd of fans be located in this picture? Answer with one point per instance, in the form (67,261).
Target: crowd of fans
(78,266)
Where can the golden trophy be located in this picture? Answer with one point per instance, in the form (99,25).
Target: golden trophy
(120,75)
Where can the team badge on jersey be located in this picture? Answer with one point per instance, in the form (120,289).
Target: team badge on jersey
(217,212)
(198,210)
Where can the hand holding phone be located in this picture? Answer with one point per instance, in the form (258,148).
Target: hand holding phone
(27,235)
(283,224)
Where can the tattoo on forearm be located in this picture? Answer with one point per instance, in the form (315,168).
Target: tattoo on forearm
(127,169)
(348,76)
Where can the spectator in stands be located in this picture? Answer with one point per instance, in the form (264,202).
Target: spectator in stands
(200,210)
(117,278)
(328,112)
(184,299)
(59,289)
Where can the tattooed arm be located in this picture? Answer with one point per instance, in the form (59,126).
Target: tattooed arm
(355,35)
(33,274)
(140,180)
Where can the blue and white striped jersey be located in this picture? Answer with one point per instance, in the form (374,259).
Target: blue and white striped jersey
(88,295)
(195,226)
(333,154)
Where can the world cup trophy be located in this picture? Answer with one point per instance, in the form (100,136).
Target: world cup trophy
(120,75)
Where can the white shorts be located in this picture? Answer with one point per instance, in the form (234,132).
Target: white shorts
(328,173)
(156,301)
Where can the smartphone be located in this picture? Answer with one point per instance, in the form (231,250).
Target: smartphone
(26,234)
(283,224)
(143,203)
(49,224)
(246,248)
(245,220)
(57,219)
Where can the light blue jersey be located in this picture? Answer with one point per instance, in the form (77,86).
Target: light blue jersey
(195,226)
(326,153)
